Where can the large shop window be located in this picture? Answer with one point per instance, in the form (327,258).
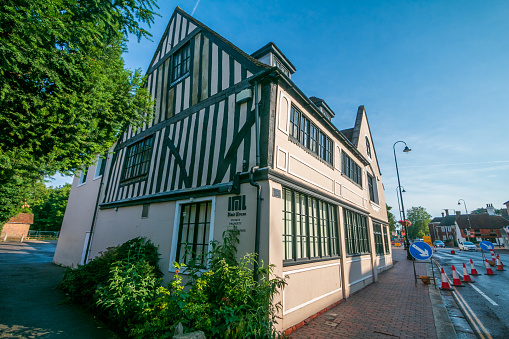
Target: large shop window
(137,160)
(193,233)
(356,233)
(372,188)
(351,169)
(379,246)
(387,238)
(310,228)
(181,62)
(310,136)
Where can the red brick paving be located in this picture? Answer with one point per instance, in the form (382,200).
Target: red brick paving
(392,307)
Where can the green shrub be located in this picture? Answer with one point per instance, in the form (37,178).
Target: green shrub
(81,283)
(224,302)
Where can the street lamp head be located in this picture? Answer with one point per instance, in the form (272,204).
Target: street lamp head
(406,150)
(403,191)
(459,203)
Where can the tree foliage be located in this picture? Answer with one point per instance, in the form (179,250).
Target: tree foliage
(420,220)
(64,92)
(49,212)
(391,218)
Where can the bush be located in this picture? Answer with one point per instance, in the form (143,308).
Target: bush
(82,282)
(224,302)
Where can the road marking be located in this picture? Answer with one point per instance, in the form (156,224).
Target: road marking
(484,295)
(469,312)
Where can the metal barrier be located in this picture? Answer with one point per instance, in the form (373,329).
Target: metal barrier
(423,270)
(43,235)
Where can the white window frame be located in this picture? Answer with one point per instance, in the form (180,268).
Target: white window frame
(176,224)
(98,165)
(82,181)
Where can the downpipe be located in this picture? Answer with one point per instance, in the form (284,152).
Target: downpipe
(258,212)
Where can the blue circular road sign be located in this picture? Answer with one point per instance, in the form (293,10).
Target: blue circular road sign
(486,245)
(420,250)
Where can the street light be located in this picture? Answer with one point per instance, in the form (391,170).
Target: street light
(399,204)
(468,218)
(405,150)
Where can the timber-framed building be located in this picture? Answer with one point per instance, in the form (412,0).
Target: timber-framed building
(235,143)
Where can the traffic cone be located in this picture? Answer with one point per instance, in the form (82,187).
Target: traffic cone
(500,266)
(473,271)
(445,281)
(489,271)
(466,277)
(498,257)
(455,278)
(492,255)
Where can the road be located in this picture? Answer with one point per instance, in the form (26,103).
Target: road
(485,302)
(32,306)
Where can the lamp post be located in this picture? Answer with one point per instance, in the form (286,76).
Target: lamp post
(468,218)
(399,204)
(405,150)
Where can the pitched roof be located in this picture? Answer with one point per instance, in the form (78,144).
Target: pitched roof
(348,133)
(448,220)
(482,221)
(22,218)
(437,219)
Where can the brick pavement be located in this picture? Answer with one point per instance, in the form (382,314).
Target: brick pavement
(392,307)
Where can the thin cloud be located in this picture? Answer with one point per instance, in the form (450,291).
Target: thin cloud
(458,164)
(195,6)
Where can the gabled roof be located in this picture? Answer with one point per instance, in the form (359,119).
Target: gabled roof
(448,220)
(482,221)
(205,28)
(437,219)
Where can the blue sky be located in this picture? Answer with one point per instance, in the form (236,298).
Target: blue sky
(432,73)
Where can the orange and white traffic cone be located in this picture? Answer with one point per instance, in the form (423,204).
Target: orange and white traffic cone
(445,281)
(473,271)
(489,271)
(500,266)
(455,278)
(492,255)
(498,257)
(466,277)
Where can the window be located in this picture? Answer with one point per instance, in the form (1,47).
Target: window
(83,176)
(101,165)
(194,233)
(387,239)
(368,147)
(356,232)
(372,188)
(137,160)
(351,169)
(377,232)
(310,136)
(309,227)
(144,211)
(181,62)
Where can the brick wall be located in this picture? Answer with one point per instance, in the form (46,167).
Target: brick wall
(17,227)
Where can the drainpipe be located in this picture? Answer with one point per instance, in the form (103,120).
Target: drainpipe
(91,233)
(255,184)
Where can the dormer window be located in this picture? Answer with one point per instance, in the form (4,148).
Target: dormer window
(181,62)
(368,147)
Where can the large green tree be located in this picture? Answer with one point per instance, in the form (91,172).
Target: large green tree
(49,211)
(420,220)
(65,94)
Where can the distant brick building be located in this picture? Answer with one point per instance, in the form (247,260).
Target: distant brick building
(443,228)
(17,227)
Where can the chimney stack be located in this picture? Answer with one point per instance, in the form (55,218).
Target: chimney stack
(458,212)
(447,213)
(443,215)
(490,209)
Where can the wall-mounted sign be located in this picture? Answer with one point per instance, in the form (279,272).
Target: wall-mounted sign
(237,204)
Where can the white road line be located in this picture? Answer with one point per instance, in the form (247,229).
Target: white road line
(480,292)
(484,295)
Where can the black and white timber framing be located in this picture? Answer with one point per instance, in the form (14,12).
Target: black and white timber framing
(201,136)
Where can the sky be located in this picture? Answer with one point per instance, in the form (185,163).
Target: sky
(434,74)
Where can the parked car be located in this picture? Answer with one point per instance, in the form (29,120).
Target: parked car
(467,246)
(439,243)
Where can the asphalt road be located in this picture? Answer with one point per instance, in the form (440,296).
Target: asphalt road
(485,302)
(31,305)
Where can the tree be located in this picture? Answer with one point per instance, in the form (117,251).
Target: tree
(420,220)
(390,217)
(65,95)
(49,212)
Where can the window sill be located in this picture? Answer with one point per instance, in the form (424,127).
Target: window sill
(174,82)
(287,263)
(348,178)
(133,180)
(309,151)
